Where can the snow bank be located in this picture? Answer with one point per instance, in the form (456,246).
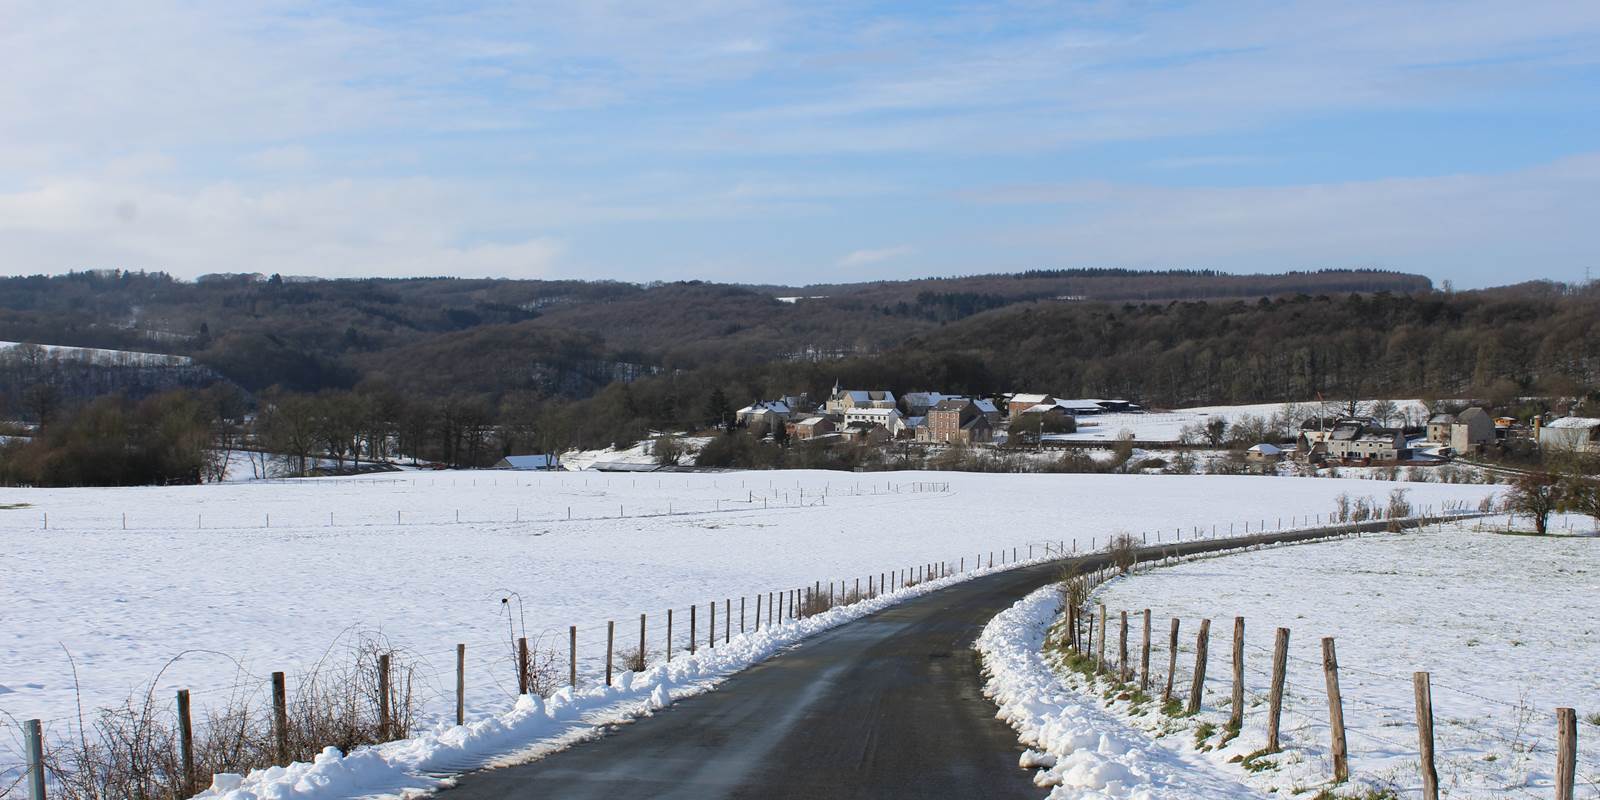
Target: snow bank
(1082,750)
(535,726)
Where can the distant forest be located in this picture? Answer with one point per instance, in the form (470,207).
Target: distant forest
(479,368)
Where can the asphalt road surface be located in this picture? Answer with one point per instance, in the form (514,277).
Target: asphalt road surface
(888,706)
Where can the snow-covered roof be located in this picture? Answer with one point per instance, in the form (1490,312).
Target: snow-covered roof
(539,461)
(775,406)
(886,413)
(1029,399)
(809,421)
(986,406)
(1575,422)
(869,395)
(1266,449)
(1441,419)
(1042,408)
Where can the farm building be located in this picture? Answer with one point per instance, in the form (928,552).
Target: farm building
(1574,434)
(531,463)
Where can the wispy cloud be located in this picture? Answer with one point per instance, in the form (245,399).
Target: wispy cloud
(862,258)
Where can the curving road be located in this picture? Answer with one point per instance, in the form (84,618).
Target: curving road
(888,706)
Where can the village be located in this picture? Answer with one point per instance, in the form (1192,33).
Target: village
(1261,438)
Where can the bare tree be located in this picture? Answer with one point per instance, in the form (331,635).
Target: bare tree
(1536,495)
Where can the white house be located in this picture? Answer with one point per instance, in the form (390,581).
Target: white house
(889,418)
(1575,434)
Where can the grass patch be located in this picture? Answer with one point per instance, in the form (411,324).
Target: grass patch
(1172,708)
(1202,732)
(1258,762)
(14,506)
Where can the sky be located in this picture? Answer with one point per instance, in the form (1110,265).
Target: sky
(812,142)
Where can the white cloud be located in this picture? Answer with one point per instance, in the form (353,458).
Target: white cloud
(862,258)
(334,229)
(1494,228)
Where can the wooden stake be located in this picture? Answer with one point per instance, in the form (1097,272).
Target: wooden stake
(186,742)
(1423,688)
(611,630)
(692,625)
(572,656)
(1566,752)
(1280,668)
(385,720)
(1144,656)
(522,665)
(280,717)
(727,619)
(1124,672)
(641,642)
(669,635)
(1330,674)
(741,614)
(1100,643)
(1202,642)
(1236,719)
(711,630)
(461,684)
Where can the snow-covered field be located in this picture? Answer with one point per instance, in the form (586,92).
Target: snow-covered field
(1167,426)
(272,574)
(1504,624)
(121,358)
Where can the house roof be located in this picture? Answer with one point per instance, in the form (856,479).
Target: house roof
(868,395)
(952,404)
(1029,399)
(975,422)
(539,461)
(873,412)
(761,407)
(811,421)
(1043,408)
(1575,422)
(1472,413)
(986,406)
(1266,449)
(1441,419)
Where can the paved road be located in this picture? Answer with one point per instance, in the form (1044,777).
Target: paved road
(888,706)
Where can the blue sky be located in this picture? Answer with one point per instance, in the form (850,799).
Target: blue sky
(806,142)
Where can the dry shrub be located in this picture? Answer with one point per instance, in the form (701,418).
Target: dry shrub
(1124,549)
(133,750)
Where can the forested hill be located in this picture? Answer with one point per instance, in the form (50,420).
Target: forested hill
(557,338)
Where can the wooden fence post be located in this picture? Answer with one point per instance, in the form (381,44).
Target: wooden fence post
(1144,656)
(1172,662)
(1202,642)
(693,624)
(711,630)
(461,684)
(1124,672)
(1100,643)
(280,717)
(1566,752)
(385,720)
(727,620)
(741,613)
(1330,674)
(611,631)
(1236,719)
(522,665)
(186,743)
(641,642)
(669,636)
(1423,688)
(33,744)
(572,656)
(1280,668)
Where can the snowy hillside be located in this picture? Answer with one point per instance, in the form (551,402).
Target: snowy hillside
(117,358)
(274,573)
(1503,623)
(1167,426)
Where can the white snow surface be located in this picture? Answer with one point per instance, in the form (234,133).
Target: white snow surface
(121,358)
(1167,426)
(275,573)
(1082,749)
(1504,624)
